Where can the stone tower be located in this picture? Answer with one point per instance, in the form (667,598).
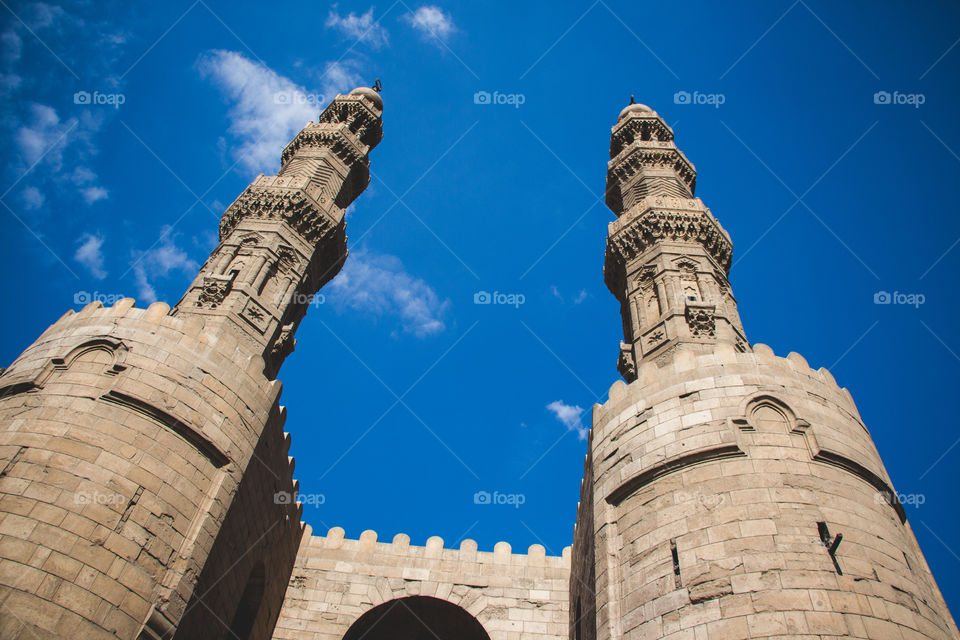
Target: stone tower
(146,489)
(727,492)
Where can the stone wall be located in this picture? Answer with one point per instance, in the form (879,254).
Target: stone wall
(336,580)
(712,475)
(125,435)
(584,605)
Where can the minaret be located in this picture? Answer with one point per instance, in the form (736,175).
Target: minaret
(284,237)
(727,492)
(146,488)
(667,256)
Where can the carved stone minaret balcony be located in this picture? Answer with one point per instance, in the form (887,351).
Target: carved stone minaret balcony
(667,257)
(284,237)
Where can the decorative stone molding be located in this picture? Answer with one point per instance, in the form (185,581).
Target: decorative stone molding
(292,206)
(645,129)
(627,365)
(633,159)
(214,290)
(640,231)
(339,140)
(702,319)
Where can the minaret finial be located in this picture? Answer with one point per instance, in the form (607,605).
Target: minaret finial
(377,86)
(632,101)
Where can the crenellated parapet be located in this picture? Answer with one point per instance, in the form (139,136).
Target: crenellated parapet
(337,580)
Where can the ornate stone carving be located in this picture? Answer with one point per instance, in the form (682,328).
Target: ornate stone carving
(634,159)
(645,277)
(284,344)
(213,291)
(702,320)
(256,315)
(627,365)
(291,206)
(287,259)
(638,129)
(657,225)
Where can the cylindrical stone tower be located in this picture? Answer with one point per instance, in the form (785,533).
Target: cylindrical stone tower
(728,493)
(145,488)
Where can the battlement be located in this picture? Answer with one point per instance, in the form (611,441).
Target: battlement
(337,580)
(654,381)
(400,547)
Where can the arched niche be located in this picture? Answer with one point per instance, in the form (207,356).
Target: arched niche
(416,618)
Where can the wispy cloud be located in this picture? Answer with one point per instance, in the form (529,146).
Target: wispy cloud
(268,108)
(379,284)
(90,255)
(32,198)
(577,299)
(362,28)
(569,416)
(160,262)
(431,22)
(43,138)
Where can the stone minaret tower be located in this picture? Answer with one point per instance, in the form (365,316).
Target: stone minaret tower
(145,488)
(728,492)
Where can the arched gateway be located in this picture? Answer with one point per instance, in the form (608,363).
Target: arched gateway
(416,618)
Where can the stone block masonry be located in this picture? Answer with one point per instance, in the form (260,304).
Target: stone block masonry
(336,580)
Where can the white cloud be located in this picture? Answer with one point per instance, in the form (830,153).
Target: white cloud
(32,198)
(431,22)
(159,263)
(362,28)
(90,256)
(577,299)
(92,194)
(268,108)
(570,416)
(380,285)
(43,138)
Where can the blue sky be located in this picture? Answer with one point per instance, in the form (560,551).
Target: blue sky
(404,397)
